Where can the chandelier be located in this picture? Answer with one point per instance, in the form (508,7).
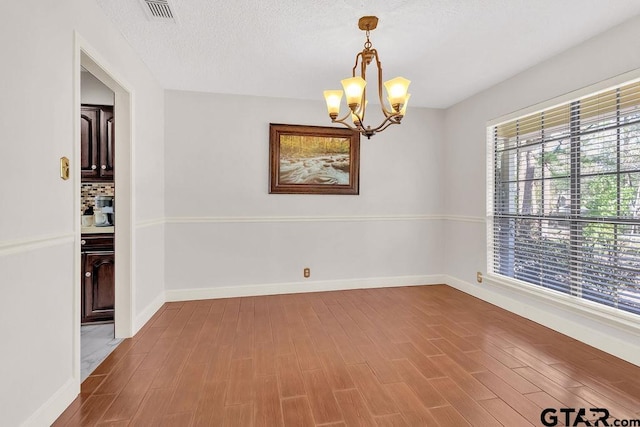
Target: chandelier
(354,88)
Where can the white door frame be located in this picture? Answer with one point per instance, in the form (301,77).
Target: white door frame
(87,57)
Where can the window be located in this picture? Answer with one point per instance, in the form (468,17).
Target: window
(564,198)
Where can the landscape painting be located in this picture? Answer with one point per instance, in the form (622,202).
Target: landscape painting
(313,160)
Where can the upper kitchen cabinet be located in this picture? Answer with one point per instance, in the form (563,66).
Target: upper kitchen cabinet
(97,142)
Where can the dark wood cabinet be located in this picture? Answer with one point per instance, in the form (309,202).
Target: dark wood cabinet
(106,144)
(98,278)
(97,143)
(89,150)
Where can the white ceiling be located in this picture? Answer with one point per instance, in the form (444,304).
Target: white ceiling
(450,49)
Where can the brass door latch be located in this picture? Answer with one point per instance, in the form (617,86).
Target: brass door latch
(64,168)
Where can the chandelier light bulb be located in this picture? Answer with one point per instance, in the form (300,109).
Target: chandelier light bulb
(404,107)
(400,107)
(353,89)
(397,91)
(333,99)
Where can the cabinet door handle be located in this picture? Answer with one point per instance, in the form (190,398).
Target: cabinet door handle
(82,242)
(104,167)
(94,167)
(87,274)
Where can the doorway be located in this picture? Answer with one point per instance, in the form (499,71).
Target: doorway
(89,60)
(97,276)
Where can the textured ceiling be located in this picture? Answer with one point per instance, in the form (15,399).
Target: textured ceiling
(450,49)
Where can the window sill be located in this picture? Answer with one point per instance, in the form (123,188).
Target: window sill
(611,317)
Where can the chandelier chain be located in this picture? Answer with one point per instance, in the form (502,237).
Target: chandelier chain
(367,44)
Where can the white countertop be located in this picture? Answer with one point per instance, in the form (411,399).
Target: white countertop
(96,230)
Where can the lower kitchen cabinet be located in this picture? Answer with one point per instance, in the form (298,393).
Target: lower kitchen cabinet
(98,281)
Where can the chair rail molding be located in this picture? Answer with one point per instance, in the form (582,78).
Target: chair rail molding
(11,247)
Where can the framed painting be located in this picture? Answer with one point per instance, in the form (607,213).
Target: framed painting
(313,160)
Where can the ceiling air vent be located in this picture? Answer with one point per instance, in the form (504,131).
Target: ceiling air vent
(158,10)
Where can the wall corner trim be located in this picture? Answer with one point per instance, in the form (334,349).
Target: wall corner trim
(57,403)
(147,313)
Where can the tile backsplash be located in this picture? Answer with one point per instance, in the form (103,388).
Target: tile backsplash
(91,190)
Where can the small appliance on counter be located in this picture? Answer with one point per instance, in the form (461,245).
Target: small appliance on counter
(87,217)
(103,211)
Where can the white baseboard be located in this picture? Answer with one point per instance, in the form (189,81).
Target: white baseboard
(143,317)
(300,287)
(57,403)
(619,341)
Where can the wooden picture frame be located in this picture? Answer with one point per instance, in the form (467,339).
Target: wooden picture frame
(313,160)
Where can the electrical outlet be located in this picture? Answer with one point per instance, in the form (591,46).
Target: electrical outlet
(306,272)
(479,277)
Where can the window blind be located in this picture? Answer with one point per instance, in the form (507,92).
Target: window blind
(564,201)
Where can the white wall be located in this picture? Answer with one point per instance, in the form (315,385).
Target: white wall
(225,235)
(93,91)
(38,224)
(607,55)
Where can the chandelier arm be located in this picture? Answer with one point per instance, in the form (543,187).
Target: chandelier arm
(360,119)
(363,67)
(363,74)
(345,123)
(387,113)
(387,125)
(346,116)
(368,132)
(392,119)
(353,70)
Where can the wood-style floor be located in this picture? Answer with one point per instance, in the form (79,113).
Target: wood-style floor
(415,356)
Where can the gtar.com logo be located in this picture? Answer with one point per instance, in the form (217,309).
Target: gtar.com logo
(595,417)
(574,417)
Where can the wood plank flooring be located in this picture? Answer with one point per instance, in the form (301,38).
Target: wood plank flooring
(413,356)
